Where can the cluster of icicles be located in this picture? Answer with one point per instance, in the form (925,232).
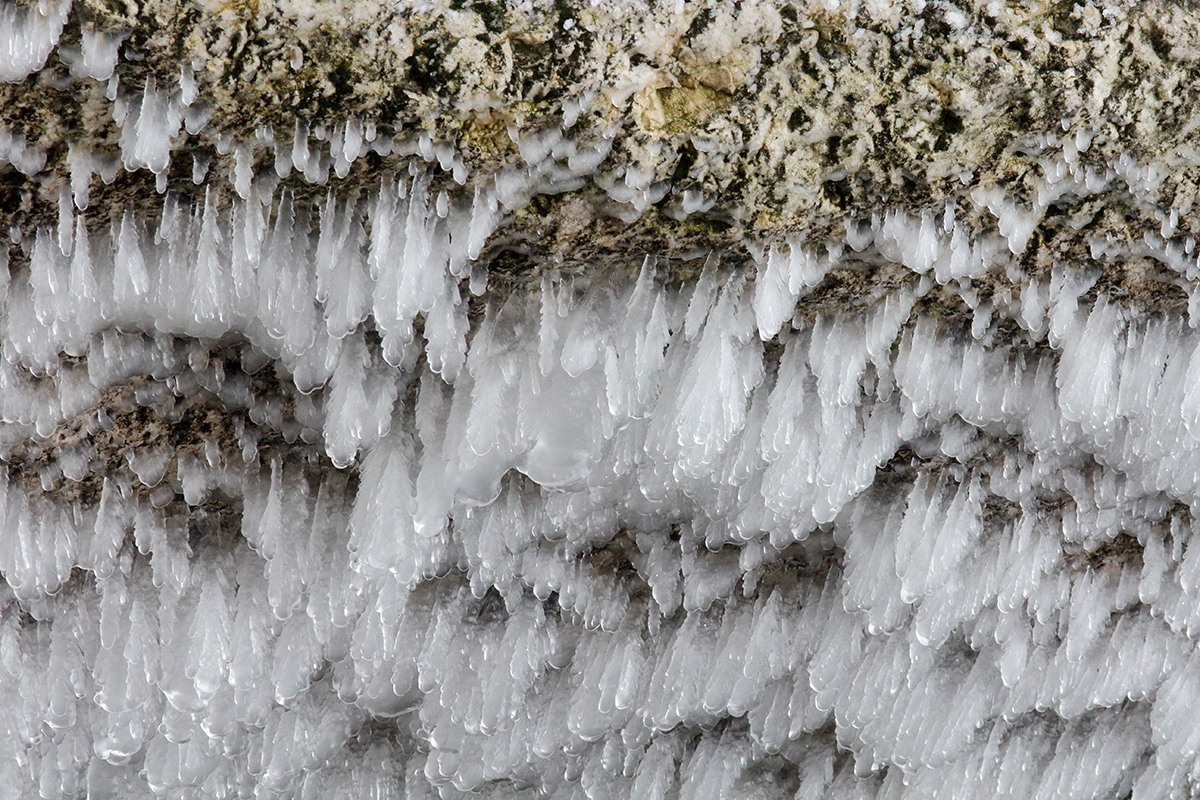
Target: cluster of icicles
(600,545)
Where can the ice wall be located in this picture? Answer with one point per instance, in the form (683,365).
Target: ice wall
(307,494)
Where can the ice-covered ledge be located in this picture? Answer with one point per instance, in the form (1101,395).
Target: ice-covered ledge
(743,400)
(746,118)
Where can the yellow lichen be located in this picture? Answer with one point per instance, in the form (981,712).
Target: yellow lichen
(671,110)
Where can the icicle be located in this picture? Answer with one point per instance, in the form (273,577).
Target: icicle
(212,295)
(27,35)
(80,160)
(347,408)
(99,55)
(157,123)
(243,170)
(773,300)
(702,297)
(82,286)
(131,281)
(66,221)
(45,278)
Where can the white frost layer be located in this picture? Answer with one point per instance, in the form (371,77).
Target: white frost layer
(601,543)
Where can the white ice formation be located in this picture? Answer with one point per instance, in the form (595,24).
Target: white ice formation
(597,535)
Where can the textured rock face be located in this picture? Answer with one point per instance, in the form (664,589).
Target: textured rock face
(727,400)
